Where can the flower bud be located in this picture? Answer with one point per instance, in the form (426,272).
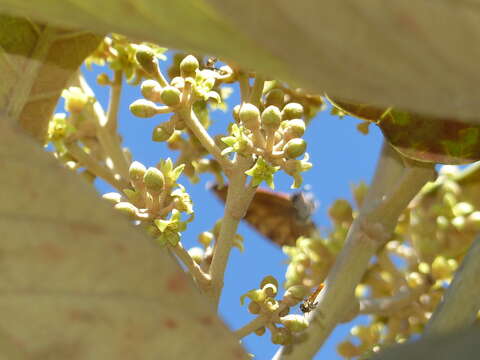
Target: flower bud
(281,337)
(414,279)
(178,82)
(440,268)
(103,79)
(250,116)
(271,117)
(170,96)
(136,171)
(295,294)
(294,128)
(269,280)
(127,209)
(146,58)
(151,90)
(188,66)
(271,304)
(161,133)
(75,99)
(292,111)
(154,180)
(112,197)
(275,98)
(462,208)
(196,254)
(341,211)
(205,238)
(143,108)
(295,323)
(348,350)
(295,148)
(254,308)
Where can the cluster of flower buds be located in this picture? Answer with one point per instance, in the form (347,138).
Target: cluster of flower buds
(274,135)
(282,325)
(120,54)
(153,196)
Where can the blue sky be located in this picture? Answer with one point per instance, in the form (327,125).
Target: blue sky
(341,157)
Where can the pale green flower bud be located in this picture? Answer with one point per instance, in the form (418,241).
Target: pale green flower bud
(154,180)
(254,308)
(146,58)
(137,171)
(127,209)
(292,111)
(295,323)
(271,117)
(151,90)
(205,238)
(275,97)
(196,254)
(188,66)
(250,116)
(170,96)
(161,133)
(143,108)
(295,148)
(294,128)
(112,197)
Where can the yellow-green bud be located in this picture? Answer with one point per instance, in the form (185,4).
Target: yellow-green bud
(271,304)
(295,294)
(250,116)
(275,97)
(170,96)
(462,208)
(295,148)
(127,209)
(440,268)
(136,171)
(414,279)
(270,290)
(268,280)
(161,133)
(103,79)
(143,108)
(254,308)
(458,222)
(188,66)
(292,111)
(294,128)
(154,179)
(281,337)
(146,58)
(341,211)
(151,90)
(112,197)
(260,331)
(295,323)
(75,99)
(424,268)
(196,254)
(271,117)
(178,82)
(205,238)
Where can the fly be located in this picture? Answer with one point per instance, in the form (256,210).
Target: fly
(309,303)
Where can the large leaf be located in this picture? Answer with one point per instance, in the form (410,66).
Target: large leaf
(420,57)
(77,281)
(36,62)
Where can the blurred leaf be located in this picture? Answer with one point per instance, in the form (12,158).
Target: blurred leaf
(36,62)
(78,281)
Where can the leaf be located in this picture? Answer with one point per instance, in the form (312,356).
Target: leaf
(78,281)
(384,52)
(36,61)
(445,140)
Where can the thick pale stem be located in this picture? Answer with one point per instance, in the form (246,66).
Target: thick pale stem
(193,123)
(238,200)
(113,106)
(257,90)
(253,325)
(369,231)
(461,302)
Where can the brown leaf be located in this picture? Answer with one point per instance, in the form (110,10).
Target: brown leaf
(78,281)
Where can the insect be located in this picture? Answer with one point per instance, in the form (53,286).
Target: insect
(210,64)
(280,217)
(309,303)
